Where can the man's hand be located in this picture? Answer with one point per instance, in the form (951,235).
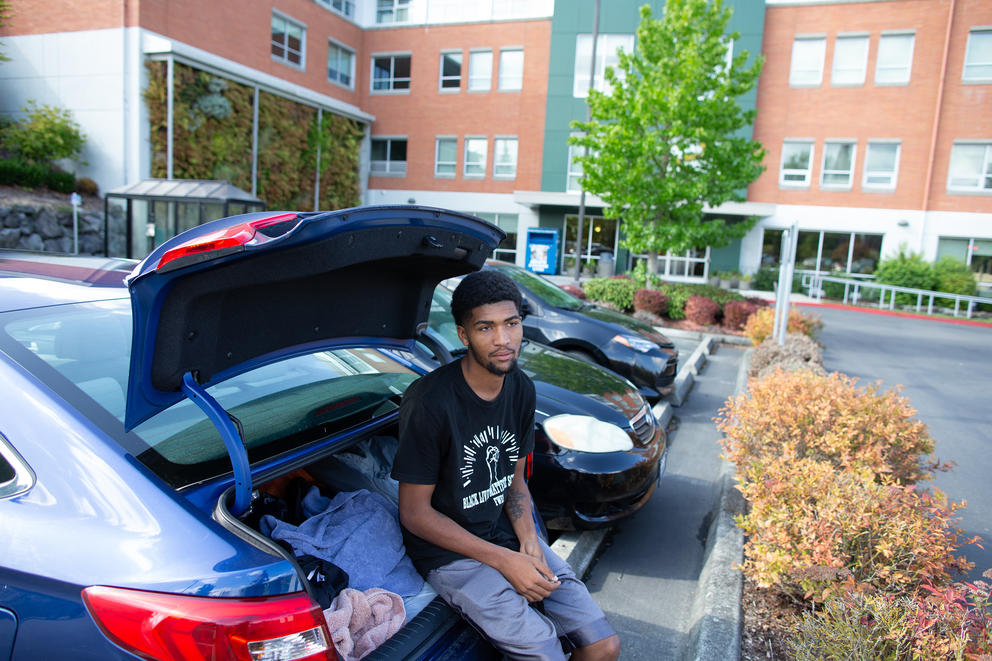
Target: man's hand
(529,575)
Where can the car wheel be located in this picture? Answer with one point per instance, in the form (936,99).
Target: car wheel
(584,356)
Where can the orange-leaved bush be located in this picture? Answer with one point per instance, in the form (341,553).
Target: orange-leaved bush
(797,414)
(760,325)
(813,530)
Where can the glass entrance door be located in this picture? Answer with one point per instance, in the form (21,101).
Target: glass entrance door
(599,237)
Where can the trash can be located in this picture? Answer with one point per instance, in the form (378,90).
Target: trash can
(606,266)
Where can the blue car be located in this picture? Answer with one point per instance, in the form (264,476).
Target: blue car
(154,417)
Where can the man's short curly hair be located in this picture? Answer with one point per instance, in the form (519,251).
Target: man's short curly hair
(481,288)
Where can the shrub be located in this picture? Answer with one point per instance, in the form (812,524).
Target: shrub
(829,419)
(32,175)
(651,300)
(797,352)
(812,530)
(954,277)
(47,134)
(735,313)
(907,269)
(760,325)
(574,290)
(701,310)
(938,623)
(678,294)
(86,186)
(616,291)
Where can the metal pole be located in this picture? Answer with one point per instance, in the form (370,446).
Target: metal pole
(254,145)
(169,104)
(316,180)
(582,195)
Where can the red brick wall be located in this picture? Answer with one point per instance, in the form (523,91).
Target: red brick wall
(67,16)
(425,112)
(868,111)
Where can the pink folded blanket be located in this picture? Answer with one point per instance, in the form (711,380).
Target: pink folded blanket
(361,621)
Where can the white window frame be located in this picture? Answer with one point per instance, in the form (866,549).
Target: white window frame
(284,59)
(437,157)
(892,174)
(882,67)
(510,169)
(806,173)
(849,172)
(466,163)
(331,44)
(478,82)
(986,33)
(817,47)
(393,79)
(441,78)
(392,13)
(513,83)
(344,8)
(573,171)
(607,46)
(858,70)
(983,180)
(392,168)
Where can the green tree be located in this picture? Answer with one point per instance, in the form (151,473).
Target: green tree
(4,15)
(667,141)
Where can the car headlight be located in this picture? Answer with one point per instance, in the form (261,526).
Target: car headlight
(585,433)
(635,342)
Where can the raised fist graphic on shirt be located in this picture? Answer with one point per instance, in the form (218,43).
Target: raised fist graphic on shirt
(492,457)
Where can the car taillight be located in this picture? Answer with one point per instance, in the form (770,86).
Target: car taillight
(175,627)
(235,235)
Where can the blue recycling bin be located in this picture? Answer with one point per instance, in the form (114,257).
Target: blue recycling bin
(542,250)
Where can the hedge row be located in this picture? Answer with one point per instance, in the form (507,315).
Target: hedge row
(30,175)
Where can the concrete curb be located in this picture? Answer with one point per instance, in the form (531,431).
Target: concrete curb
(579,549)
(723,338)
(689,370)
(716,611)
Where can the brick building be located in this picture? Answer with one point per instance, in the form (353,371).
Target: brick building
(874,113)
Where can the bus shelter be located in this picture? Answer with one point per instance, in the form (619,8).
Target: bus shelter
(139,217)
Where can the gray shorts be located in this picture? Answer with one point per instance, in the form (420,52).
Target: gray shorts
(517,628)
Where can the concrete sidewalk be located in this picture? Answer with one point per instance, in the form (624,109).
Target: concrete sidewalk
(667,581)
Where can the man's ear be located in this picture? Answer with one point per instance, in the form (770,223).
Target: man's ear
(462,335)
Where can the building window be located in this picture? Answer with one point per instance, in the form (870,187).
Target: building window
(390,73)
(343,7)
(850,60)
(838,165)
(971,168)
(288,40)
(895,59)
(574,183)
(797,160)
(340,65)
(451,71)
(508,222)
(505,158)
(476,151)
(511,69)
(445,153)
(392,11)
(978,57)
(480,71)
(881,165)
(389,157)
(806,69)
(607,46)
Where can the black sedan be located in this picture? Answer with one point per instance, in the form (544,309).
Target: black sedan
(592,333)
(598,452)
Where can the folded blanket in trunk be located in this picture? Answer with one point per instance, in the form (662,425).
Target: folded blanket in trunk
(359,532)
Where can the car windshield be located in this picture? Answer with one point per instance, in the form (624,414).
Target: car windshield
(82,351)
(546,290)
(441,321)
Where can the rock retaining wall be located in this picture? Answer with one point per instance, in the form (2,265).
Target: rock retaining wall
(48,228)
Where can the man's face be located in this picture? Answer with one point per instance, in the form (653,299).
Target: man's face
(493,334)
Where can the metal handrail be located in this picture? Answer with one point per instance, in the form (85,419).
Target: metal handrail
(813,282)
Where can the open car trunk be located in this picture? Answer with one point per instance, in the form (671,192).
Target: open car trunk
(430,624)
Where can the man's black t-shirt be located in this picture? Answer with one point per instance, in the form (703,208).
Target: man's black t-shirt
(468,447)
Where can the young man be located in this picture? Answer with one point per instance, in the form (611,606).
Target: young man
(465,432)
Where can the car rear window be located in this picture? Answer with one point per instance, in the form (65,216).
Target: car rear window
(549,292)
(82,352)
